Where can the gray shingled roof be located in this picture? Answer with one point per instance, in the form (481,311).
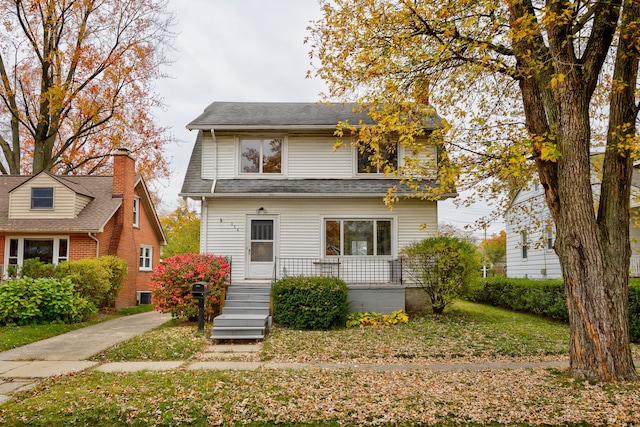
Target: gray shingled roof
(281,115)
(90,220)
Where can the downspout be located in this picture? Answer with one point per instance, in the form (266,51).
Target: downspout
(97,243)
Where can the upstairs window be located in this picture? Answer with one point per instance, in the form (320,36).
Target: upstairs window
(42,198)
(136,211)
(261,155)
(374,161)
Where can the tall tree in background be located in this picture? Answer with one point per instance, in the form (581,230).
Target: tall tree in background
(76,82)
(182,228)
(528,86)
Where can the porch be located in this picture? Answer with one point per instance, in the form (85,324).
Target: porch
(353,271)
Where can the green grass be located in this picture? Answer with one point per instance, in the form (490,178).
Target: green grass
(16,336)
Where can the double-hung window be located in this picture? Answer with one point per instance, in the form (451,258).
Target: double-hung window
(136,211)
(261,155)
(357,237)
(525,244)
(146,257)
(42,198)
(374,160)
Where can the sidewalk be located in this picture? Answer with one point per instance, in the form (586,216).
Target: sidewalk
(20,368)
(67,353)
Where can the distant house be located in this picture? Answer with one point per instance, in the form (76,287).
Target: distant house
(531,236)
(279,200)
(64,217)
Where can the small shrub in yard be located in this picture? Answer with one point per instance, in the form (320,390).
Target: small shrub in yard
(96,279)
(317,303)
(26,300)
(172,280)
(444,267)
(35,269)
(376,319)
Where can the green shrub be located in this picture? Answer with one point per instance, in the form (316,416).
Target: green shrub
(634,311)
(173,278)
(96,279)
(542,297)
(26,300)
(316,303)
(444,267)
(35,269)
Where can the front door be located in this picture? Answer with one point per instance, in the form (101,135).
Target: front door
(261,248)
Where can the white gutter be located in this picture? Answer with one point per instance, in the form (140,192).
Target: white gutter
(97,243)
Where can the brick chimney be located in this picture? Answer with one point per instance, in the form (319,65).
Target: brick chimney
(123,242)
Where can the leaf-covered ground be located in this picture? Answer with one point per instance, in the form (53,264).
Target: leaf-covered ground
(469,333)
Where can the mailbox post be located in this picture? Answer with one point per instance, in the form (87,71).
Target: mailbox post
(199,290)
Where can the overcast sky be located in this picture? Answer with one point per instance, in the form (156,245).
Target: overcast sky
(244,51)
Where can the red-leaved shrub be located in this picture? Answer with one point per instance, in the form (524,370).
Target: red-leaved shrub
(173,277)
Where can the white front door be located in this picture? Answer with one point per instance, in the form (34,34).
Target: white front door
(261,247)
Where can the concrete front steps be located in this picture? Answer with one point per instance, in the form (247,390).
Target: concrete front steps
(245,314)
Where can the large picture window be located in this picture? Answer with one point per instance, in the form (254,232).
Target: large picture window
(358,237)
(374,161)
(261,155)
(50,250)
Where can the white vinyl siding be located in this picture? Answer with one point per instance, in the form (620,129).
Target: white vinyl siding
(210,151)
(20,200)
(527,215)
(314,157)
(301,224)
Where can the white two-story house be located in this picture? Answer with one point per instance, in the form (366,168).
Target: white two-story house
(278,199)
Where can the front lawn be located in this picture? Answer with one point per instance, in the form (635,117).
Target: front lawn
(357,394)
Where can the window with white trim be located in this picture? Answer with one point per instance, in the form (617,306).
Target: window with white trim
(136,211)
(146,257)
(261,155)
(525,244)
(42,198)
(374,160)
(49,250)
(357,237)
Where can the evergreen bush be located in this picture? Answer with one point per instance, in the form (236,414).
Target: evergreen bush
(316,303)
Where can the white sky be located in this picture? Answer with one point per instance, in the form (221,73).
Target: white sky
(246,51)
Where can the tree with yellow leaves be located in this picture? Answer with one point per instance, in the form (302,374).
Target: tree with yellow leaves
(76,82)
(528,87)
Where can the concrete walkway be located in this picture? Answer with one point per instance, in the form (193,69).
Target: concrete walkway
(20,368)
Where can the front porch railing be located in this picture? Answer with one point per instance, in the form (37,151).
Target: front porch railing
(354,271)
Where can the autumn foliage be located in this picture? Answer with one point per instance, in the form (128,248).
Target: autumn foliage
(172,280)
(76,82)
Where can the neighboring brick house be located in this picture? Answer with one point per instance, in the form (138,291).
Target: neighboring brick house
(64,217)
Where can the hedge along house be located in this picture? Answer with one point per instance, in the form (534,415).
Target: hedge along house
(63,217)
(280,201)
